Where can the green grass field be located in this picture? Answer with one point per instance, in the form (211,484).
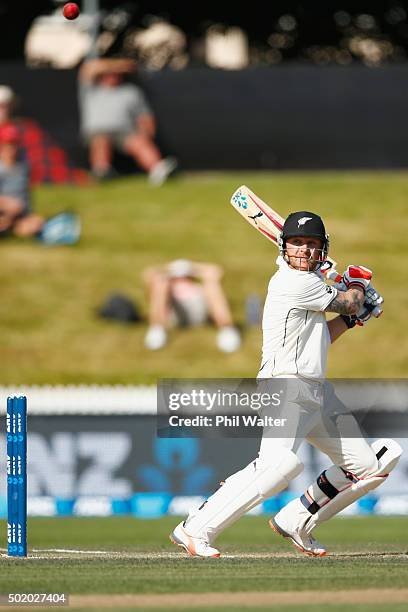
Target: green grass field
(49,332)
(136,557)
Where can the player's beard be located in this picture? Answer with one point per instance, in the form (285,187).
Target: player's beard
(304,263)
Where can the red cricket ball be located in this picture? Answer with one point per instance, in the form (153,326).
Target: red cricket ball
(70,10)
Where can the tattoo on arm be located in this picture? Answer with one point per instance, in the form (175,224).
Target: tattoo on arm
(347,302)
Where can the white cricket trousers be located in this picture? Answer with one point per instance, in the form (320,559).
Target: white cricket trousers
(315,414)
(309,410)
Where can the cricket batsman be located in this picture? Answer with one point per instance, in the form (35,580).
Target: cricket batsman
(296,339)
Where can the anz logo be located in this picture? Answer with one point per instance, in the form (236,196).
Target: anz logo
(177,467)
(240,200)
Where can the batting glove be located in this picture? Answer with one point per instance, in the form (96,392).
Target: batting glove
(362,318)
(370,308)
(357,276)
(349,321)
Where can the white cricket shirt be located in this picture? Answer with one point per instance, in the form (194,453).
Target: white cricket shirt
(295,333)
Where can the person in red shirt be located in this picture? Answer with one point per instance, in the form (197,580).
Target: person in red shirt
(16,215)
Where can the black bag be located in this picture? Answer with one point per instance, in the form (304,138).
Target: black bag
(119,308)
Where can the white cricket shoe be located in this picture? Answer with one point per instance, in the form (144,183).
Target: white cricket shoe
(302,540)
(228,339)
(156,337)
(196,547)
(162,170)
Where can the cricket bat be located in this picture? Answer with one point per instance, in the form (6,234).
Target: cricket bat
(269,223)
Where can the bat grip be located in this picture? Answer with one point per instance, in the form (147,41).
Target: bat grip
(377,312)
(333,275)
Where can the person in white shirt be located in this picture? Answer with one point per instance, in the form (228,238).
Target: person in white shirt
(296,337)
(115,114)
(186,293)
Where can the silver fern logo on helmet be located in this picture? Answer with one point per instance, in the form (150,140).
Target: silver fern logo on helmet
(303,220)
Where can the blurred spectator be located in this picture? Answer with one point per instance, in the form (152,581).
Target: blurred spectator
(158,45)
(186,293)
(15,205)
(226,48)
(115,114)
(48,162)
(7,102)
(16,215)
(53,41)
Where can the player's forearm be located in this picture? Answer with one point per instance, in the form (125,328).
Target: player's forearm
(347,302)
(336,327)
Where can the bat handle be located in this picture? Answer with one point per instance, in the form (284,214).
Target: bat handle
(377,312)
(333,275)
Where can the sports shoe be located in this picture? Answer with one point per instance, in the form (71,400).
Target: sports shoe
(196,547)
(162,170)
(156,337)
(302,540)
(228,339)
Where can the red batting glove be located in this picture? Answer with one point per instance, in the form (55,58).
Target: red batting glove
(357,276)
